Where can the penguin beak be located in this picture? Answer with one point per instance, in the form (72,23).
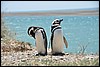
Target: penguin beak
(61,20)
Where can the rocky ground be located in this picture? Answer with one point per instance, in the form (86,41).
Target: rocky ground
(13,55)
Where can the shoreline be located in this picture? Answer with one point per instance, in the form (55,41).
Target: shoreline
(55,13)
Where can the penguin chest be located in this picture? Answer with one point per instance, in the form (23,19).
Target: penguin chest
(58,43)
(39,42)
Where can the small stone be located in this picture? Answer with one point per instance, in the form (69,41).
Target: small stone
(23,60)
(61,58)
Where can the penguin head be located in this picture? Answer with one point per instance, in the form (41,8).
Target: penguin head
(57,21)
(31,31)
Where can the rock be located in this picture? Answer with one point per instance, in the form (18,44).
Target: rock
(66,53)
(23,60)
(1,39)
(61,58)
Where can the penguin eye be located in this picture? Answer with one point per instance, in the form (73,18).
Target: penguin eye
(57,21)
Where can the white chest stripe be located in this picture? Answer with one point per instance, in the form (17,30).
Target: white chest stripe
(55,28)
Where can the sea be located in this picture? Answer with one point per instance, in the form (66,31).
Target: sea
(81,32)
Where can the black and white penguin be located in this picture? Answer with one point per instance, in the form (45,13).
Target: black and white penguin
(57,38)
(39,34)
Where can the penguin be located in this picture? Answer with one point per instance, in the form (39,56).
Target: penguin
(57,39)
(39,34)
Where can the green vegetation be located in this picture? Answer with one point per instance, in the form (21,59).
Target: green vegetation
(5,32)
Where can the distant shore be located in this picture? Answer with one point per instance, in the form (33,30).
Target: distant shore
(55,13)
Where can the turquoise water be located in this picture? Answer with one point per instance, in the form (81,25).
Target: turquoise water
(78,30)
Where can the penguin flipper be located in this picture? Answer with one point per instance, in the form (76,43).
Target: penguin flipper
(51,39)
(65,41)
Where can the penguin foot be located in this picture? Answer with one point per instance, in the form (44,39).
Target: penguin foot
(58,54)
(40,54)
